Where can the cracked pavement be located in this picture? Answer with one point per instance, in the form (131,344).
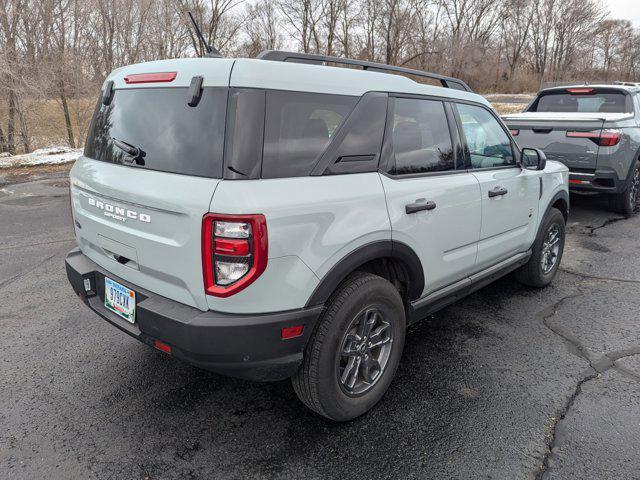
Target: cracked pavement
(509,383)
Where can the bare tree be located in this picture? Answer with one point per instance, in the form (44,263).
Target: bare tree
(517,17)
(262,28)
(302,19)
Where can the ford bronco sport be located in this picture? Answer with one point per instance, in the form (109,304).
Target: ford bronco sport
(280,217)
(595,131)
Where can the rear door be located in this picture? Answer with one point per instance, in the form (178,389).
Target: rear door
(433,202)
(138,213)
(509,193)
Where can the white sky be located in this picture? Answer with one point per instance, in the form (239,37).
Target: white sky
(625,9)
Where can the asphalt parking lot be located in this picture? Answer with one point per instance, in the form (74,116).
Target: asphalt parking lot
(510,383)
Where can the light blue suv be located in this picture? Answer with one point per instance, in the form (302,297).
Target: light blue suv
(278,217)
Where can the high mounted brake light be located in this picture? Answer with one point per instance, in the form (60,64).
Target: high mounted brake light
(234,252)
(581,91)
(150,77)
(604,138)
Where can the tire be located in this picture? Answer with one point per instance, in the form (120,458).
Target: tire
(628,201)
(360,300)
(533,273)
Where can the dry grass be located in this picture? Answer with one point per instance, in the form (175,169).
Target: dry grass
(507,108)
(510,103)
(24,174)
(46,125)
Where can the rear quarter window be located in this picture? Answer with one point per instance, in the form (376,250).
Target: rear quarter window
(298,127)
(173,136)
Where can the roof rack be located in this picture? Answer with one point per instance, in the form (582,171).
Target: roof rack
(282,56)
(627,84)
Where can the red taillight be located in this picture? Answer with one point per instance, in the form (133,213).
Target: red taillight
(151,77)
(163,347)
(291,332)
(580,91)
(234,252)
(229,246)
(604,138)
(610,138)
(515,133)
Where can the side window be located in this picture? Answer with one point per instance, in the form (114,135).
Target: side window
(421,137)
(298,127)
(489,145)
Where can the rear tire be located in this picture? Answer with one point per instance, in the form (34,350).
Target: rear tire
(546,254)
(338,378)
(628,202)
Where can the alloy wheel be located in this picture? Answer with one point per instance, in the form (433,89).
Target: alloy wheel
(364,352)
(550,248)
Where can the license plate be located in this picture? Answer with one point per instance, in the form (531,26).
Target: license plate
(120,300)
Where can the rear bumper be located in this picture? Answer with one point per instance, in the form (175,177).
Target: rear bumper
(247,346)
(598,181)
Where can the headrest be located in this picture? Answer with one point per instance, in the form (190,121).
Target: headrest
(406,137)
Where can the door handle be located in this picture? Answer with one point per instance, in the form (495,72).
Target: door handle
(419,207)
(497,192)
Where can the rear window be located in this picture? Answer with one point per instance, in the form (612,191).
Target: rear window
(594,101)
(171,136)
(298,127)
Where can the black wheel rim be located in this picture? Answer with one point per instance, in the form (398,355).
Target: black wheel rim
(364,352)
(551,248)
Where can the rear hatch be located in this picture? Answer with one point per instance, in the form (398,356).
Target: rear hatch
(552,134)
(567,123)
(150,167)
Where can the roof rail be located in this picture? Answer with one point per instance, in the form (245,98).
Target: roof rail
(282,56)
(627,84)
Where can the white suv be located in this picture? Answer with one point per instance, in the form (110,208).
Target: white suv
(277,217)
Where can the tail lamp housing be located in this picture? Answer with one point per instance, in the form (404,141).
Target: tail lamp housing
(603,138)
(234,252)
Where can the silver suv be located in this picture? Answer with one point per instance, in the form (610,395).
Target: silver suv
(277,217)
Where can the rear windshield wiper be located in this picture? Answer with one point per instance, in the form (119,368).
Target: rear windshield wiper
(136,153)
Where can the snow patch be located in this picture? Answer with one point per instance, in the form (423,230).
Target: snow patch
(42,156)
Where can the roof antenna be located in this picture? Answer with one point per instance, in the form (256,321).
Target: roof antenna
(211,51)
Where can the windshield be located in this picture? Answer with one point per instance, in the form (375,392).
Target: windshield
(154,128)
(587,101)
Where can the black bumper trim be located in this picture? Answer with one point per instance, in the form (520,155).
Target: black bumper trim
(247,346)
(600,181)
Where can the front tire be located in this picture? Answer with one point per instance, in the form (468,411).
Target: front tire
(546,254)
(628,202)
(353,355)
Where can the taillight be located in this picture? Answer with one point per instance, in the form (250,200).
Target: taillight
(604,138)
(515,133)
(234,252)
(610,138)
(160,77)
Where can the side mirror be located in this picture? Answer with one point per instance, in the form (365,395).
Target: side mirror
(533,159)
